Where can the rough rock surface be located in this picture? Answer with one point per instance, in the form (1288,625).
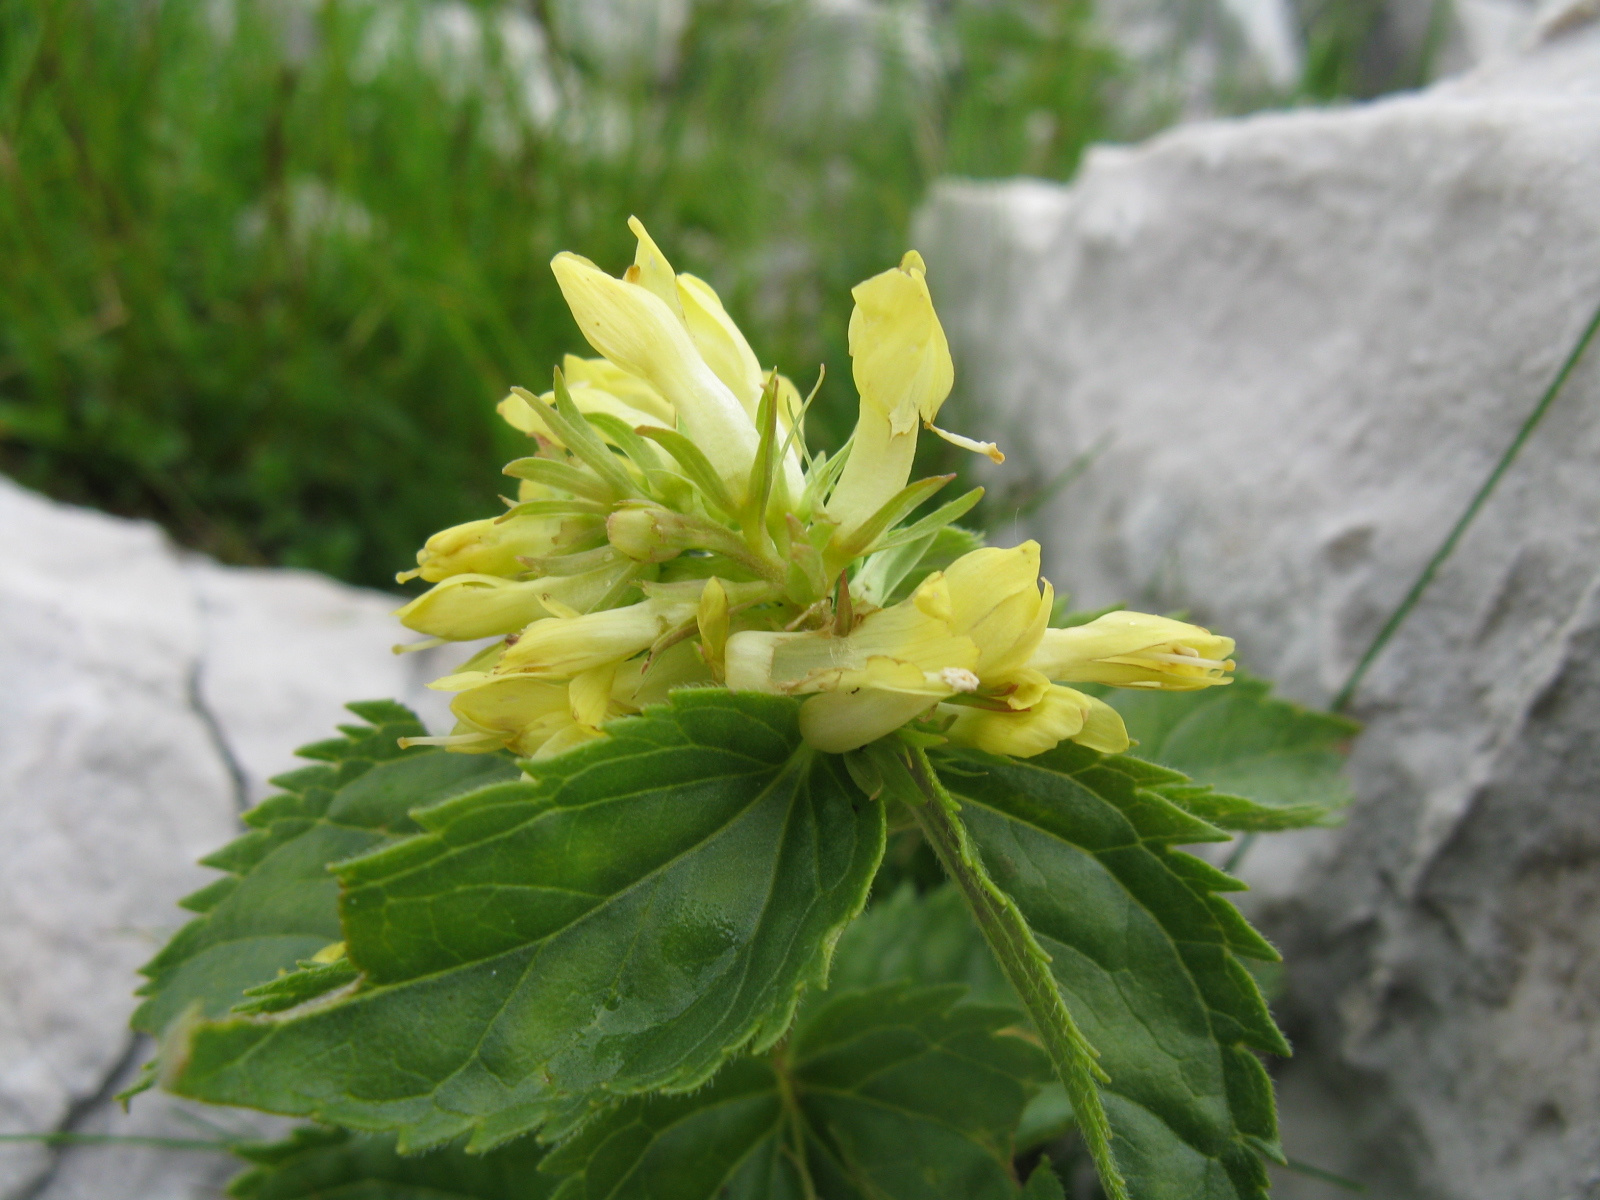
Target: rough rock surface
(148,695)
(1299,343)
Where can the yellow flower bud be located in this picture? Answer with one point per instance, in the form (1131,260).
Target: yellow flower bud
(492,546)
(1131,649)
(465,607)
(636,330)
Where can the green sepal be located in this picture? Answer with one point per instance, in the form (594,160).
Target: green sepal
(696,466)
(649,905)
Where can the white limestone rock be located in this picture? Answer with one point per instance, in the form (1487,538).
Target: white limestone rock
(148,695)
(1300,342)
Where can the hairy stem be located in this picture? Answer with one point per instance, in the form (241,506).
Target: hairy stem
(1024,962)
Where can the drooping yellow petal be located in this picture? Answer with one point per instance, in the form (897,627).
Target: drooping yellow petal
(639,333)
(1060,714)
(1130,649)
(902,368)
(898,352)
(1103,729)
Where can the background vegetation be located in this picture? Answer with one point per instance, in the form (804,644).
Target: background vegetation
(269,263)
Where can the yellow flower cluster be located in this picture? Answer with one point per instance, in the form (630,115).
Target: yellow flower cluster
(672,529)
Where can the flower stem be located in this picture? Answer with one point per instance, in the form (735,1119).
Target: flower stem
(1024,962)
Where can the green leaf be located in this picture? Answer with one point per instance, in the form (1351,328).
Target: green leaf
(1270,764)
(334,1164)
(1145,954)
(931,938)
(893,1093)
(278,904)
(1043,1184)
(924,939)
(650,904)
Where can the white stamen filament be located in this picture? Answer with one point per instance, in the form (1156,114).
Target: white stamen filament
(1190,658)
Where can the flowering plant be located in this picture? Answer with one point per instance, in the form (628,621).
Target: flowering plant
(721,673)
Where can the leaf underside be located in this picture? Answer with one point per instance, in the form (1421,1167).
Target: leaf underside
(645,907)
(892,1093)
(1146,955)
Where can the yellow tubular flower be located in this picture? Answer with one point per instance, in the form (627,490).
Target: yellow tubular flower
(640,332)
(560,647)
(961,641)
(465,607)
(1136,650)
(517,712)
(902,368)
(488,547)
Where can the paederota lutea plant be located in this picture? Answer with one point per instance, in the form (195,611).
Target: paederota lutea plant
(580,946)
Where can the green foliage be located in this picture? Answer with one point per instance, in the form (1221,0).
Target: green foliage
(645,907)
(334,1164)
(270,267)
(891,1092)
(614,952)
(1272,764)
(278,905)
(1146,954)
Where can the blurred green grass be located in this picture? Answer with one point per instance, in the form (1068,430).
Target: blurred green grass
(268,265)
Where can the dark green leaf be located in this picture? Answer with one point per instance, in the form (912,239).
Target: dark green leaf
(279,903)
(894,1093)
(924,939)
(649,905)
(1145,957)
(931,938)
(1270,764)
(334,1164)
